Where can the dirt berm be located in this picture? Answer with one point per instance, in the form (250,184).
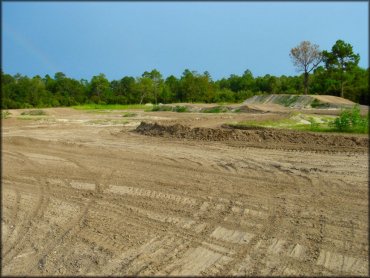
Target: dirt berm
(260,137)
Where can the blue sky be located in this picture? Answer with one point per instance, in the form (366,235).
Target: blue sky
(83,39)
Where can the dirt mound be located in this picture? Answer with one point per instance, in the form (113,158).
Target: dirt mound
(261,137)
(301,101)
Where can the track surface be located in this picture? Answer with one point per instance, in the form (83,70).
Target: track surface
(84,199)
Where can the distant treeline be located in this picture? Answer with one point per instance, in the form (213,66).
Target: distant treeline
(20,91)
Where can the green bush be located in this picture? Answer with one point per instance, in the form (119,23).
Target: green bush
(180,109)
(351,121)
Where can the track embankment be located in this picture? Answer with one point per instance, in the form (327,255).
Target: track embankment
(260,137)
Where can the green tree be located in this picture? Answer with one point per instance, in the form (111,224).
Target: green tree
(157,81)
(341,62)
(144,88)
(173,85)
(99,88)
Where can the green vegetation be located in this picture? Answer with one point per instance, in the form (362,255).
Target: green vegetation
(33,118)
(318,104)
(180,109)
(341,75)
(177,108)
(33,113)
(129,114)
(217,109)
(161,108)
(5,114)
(340,63)
(93,106)
(350,121)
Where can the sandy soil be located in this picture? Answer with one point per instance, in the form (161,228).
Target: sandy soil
(85,194)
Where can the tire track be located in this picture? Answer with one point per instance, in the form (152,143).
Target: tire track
(71,230)
(13,218)
(23,233)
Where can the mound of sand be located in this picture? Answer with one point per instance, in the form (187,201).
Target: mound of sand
(258,137)
(301,101)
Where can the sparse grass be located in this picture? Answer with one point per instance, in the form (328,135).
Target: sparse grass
(287,101)
(180,109)
(107,122)
(299,122)
(216,109)
(129,114)
(111,106)
(5,114)
(161,108)
(31,118)
(37,112)
(177,108)
(318,104)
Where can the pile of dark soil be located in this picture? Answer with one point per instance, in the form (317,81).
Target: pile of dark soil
(260,137)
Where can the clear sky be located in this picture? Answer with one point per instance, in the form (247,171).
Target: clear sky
(82,39)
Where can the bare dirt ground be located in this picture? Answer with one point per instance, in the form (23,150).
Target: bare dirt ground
(85,194)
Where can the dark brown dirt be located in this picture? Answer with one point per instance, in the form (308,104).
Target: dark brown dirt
(259,136)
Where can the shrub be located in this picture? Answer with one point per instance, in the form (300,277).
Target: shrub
(180,109)
(351,120)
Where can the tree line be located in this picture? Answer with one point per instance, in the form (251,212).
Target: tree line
(339,75)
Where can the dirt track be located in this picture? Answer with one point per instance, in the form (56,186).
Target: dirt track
(81,198)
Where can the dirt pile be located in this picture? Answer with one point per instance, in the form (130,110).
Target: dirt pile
(258,136)
(301,101)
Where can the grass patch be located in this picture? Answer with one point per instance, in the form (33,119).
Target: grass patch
(161,108)
(5,114)
(318,104)
(31,118)
(177,108)
(216,109)
(129,114)
(93,106)
(180,109)
(37,112)
(313,123)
